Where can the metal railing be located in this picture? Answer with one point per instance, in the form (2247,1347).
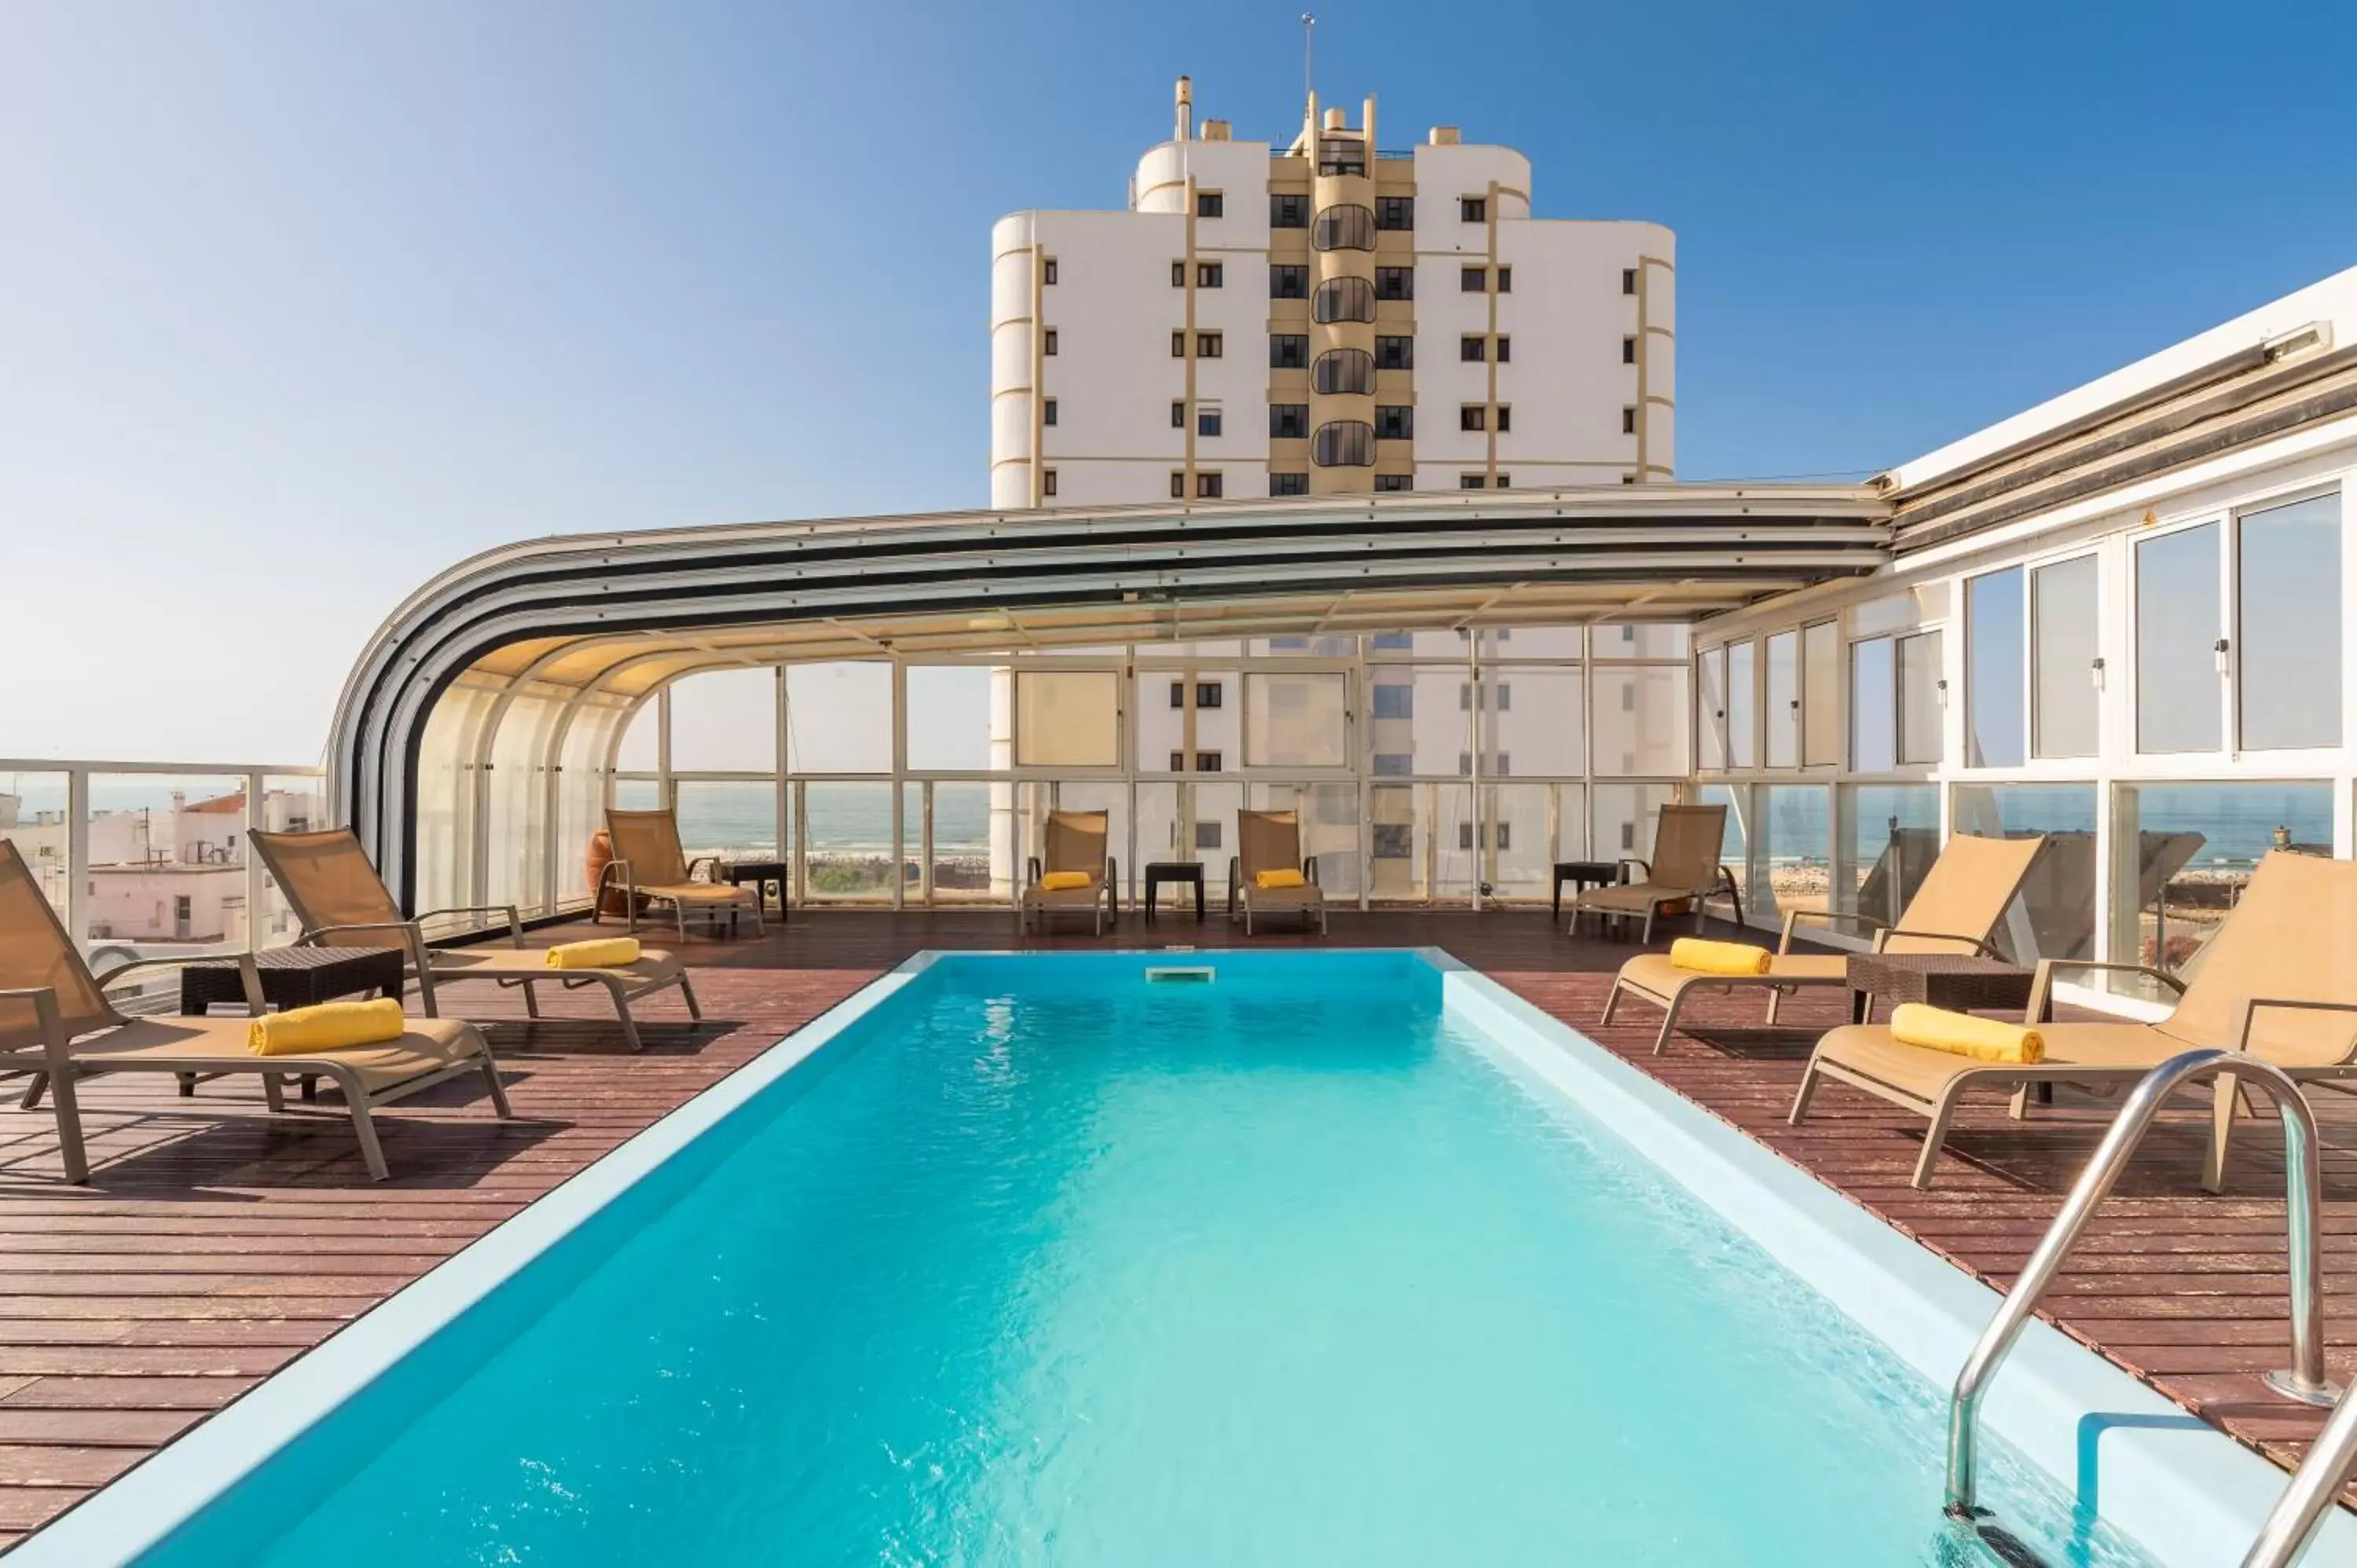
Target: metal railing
(2303,1380)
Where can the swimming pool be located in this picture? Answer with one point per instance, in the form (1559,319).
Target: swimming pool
(1033,1259)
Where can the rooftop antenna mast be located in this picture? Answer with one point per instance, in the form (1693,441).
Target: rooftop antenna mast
(1308,42)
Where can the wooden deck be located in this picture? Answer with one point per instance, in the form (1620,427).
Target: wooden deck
(211,1250)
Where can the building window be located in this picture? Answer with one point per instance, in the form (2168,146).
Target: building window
(1178,414)
(1394,422)
(1505,418)
(1047,342)
(1996,689)
(1628,280)
(1395,212)
(1289,483)
(1047,481)
(1505,348)
(1288,422)
(1393,841)
(2287,585)
(1208,204)
(1288,351)
(1207,345)
(1628,350)
(1628,478)
(1178,484)
(1289,213)
(1473,208)
(2178,641)
(1288,283)
(1394,701)
(1343,444)
(1390,483)
(1629,419)
(1207,834)
(1341,154)
(1178,761)
(1207,421)
(1210,275)
(1047,271)
(1506,280)
(1207,695)
(1473,349)
(1210,761)
(1344,227)
(1177,274)
(1394,353)
(1473,416)
(1179,345)
(1207,487)
(1343,371)
(1394,283)
(1504,480)
(1343,299)
(1473,280)
(1468,481)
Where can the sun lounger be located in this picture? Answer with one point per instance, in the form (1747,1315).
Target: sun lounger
(57,1025)
(650,866)
(1962,898)
(326,880)
(1684,871)
(1076,847)
(2278,982)
(1271,841)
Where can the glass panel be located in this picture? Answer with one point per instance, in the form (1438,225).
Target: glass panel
(515,797)
(2177,635)
(1647,640)
(967,866)
(2290,621)
(1449,830)
(1162,721)
(1570,803)
(167,865)
(958,718)
(1067,718)
(1820,697)
(1894,614)
(2062,657)
(731,818)
(1733,852)
(1639,720)
(1515,855)
(637,794)
(1534,642)
(1297,721)
(847,842)
(1534,724)
(1159,834)
(1624,818)
(1891,836)
(2055,915)
(1796,843)
(1399,863)
(638,752)
(32,817)
(1710,704)
(725,721)
(1742,692)
(1994,732)
(839,718)
(2196,846)
(1873,707)
(292,802)
(1330,829)
(1783,714)
(1212,814)
(1921,731)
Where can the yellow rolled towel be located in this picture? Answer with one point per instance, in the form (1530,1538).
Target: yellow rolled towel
(329,1026)
(1064,881)
(1719,958)
(1272,881)
(598,952)
(1961,1034)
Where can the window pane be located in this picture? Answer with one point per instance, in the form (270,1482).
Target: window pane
(2290,621)
(1785,699)
(167,870)
(1993,682)
(1067,718)
(2196,846)
(33,817)
(1921,733)
(733,820)
(1891,836)
(1640,720)
(839,717)
(2062,601)
(1622,819)
(963,840)
(1873,707)
(847,842)
(1742,726)
(1820,701)
(1533,724)
(1296,721)
(2177,635)
(957,718)
(727,721)
(1710,704)
(2055,915)
(1796,840)
(1734,845)
(1330,828)
(1641,639)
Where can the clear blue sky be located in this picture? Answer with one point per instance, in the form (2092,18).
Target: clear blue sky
(299,302)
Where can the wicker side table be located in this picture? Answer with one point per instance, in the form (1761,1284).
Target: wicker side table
(1961,982)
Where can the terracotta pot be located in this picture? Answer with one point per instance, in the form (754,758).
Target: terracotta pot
(601,854)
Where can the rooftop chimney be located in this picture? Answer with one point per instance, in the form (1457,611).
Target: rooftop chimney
(1184,129)
(1216,130)
(1446,136)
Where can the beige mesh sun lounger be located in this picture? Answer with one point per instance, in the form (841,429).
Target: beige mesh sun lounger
(1270,841)
(1683,870)
(1076,842)
(57,1025)
(649,864)
(1962,898)
(326,880)
(2278,981)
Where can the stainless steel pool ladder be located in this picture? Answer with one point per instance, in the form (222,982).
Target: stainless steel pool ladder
(2303,1380)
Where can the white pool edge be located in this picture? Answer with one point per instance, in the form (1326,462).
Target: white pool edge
(2183,1491)
(137,1510)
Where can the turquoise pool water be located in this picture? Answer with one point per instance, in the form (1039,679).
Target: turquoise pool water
(1040,1264)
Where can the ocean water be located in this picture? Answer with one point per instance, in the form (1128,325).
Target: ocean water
(1043,1264)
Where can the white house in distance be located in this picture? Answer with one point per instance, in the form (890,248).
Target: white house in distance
(1325,317)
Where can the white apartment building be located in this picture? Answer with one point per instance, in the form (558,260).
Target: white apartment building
(1325,317)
